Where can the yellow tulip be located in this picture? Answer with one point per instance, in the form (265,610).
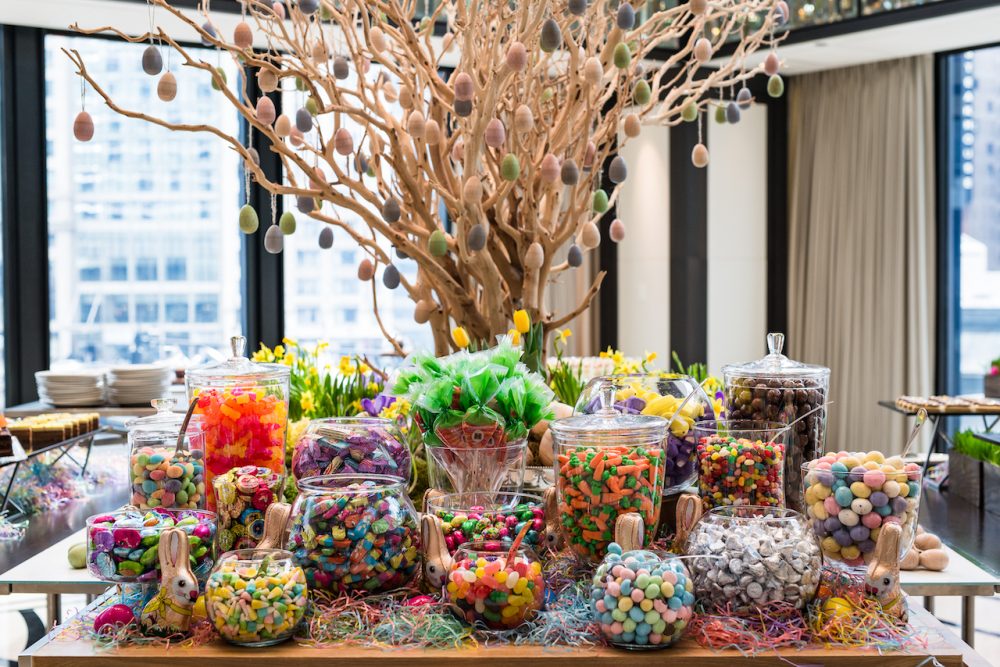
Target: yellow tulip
(460,336)
(515,336)
(522,321)
(289,342)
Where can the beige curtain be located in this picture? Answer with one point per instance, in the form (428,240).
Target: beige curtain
(564,294)
(861,241)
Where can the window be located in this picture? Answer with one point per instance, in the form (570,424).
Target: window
(122,225)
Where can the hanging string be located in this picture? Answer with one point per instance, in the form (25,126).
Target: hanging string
(150,10)
(701,120)
(274,209)
(246,182)
(83,94)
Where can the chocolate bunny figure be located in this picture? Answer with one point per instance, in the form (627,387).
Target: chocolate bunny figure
(169,612)
(552,539)
(882,578)
(689,511)
(629,529)
(437,560)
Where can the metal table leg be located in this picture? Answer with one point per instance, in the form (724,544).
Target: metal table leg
(54,609)
(969,620)
(10,485)
(929,603)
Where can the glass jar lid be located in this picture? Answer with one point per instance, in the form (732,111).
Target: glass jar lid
(164,421)
(237,369)
(609,427)
(775,364)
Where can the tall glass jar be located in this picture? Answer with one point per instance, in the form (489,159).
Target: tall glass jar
(777,389)
(244,412)
(741,462)
(355,533)
(256,597)
(492,589)
(353,445)
(165,471)
(607,464)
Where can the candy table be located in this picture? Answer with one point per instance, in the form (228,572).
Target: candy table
(55,650)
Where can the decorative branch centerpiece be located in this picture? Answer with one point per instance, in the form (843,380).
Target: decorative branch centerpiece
(489,178)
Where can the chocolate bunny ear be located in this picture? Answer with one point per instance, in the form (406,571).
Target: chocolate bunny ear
(887,546)
(689,511)
(169,545)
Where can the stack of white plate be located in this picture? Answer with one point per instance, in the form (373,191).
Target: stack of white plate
(138,384)
(71,389)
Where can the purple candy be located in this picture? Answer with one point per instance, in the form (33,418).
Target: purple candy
(102,539)
(843,537)
(898,505)
(820,528)
(824,477)
(859,533)
(832,524)
(866,546)
(857,474)
(878,499)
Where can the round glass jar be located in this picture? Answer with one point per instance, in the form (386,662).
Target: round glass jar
(850,496)
(748,556)
(242,496)
(355,534)
(607,464)
(680,399)
(351,445)
(164,471)
(122,546)
(741,463)
(256,597)
(641,599)
(244,411)
(777,389)
(490,591)
(490,518)
(477,469)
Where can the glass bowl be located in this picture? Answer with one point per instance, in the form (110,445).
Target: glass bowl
(351,445)
(491,517)
(490,592)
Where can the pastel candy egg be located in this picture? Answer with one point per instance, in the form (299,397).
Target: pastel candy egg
(866,546)
(914,489)
(848,517)
(851,461)
(878,498)
(859,533)
(842,537)
(823,490)
(857,473)
(884,510)
(904,489)
(876,456)
(874,479)
(861,506)
(839,470)
(830,545)
(891,488)
(831,506)
(871,520)
(832,524)
(843,496)
(898,505)
(850,552)
(819,510)
(860,490)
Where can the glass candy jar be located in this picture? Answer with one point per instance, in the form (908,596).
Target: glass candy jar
(748,556)
(244,412)
(490,517)
(489,589)
(641,599)
(164,470)
(777,389)
(352,533)
(850,496)
(680,399)
(741,463)
(607,464)
(242,496)
(256,597)
(352,445)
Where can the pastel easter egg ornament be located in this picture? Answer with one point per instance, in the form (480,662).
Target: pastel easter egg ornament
(464,87)
(593,71)
(416,125)
(524,120)
(432,132)
(210,33)
(703,50)
(390,210)
(308,6)
(625,18)
(325,238)
(279,10)
(437,244)
(366,270)
(534,257)
(495,134)
(152,60)
(343,143)
(287,223)
(732,113)
(283,126)
(303,120)
(341,68)
(517,56)
(589,236)
(744,98)
(632,126)
(463,108)
(575,256)
(83,126)
(390,277)
(254,155)
(576,7)
(589,155)
(720,114)
(641,94)
(699,156)
(697,7)
(243,35)
(377,40)
(219,79)
(617,231)
(775,86)
(551,36)
(274,240)
(423,310)
(550,168)
(771,64)
(477,238)
(248,219)
(472,190)
(265,111)
(166,87)
(781,12)
(510,167)
(622,56)
(267,79)
(600,201)
(690,112)
(569,172)
(618,170)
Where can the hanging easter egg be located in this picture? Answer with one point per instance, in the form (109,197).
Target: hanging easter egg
(575,256)
(732,113)
(317,179)
(576,7)
(254,155)
(510,168)
(549,169)
(422,311)
(282,126)
(535,256)
(400,253)
(776,86)
(406,97)
(622,56)
(220,80)
(588,156)
(311,106)
(464,87)
(690,112)
(551,37)
(274,239)
(463,108)
(415,124)
(517,56)
(437,244)
(210,33)
(632,126)
(495,134)
(458,150)
(698,7)
(771,64)
(366,270)
(300,84)
(267,80)
(477,238)
(308,6)
(390,277)
(343,143)
(569,172)
(377,40)
(295,138)
(600,201)
(548,94)
(625,18)
(287,223)
(617,231)
(243,35)
(83,126)
(593,72)
(590,236)
(617,170)
(319,52)
(166,87)
(703,50)
(152,60)
(641,94)
(432,132)
(279,10)
(720,114)
(699,156)
(265,111)
(305,203)
(325,238)
(248,219)
(361,163)
(781,12)
(472,190)
(390,210)
(524,120)
(389,92)
(744,98)
(341,69)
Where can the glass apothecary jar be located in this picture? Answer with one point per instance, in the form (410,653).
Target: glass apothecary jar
(680,399)
(741,462)
(164,470)
(256,597)
(351,445)
(355,534)
(244,412)
(642,599)
(242,497)
(488,588)
(777,389)
(492,518)
(748,556)
(607,464)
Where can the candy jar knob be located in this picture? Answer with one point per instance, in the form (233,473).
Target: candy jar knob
(775,341)
(164,404)
(239,346)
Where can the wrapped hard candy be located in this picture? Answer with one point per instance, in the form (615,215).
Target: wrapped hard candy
(242,496)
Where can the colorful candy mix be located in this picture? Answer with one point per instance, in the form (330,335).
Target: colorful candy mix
(851,495)
(499,522)
(242,495)
(596,484)
(243,426)
(122,546)
(740,471)
(167,477)
(351,445)
(641,599)
(487,590)
(351,535)
(256,600)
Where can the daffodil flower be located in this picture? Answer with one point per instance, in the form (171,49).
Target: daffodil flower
(306,401)
(515,336)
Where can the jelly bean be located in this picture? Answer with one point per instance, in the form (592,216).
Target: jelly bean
(158,469)
(739,471)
